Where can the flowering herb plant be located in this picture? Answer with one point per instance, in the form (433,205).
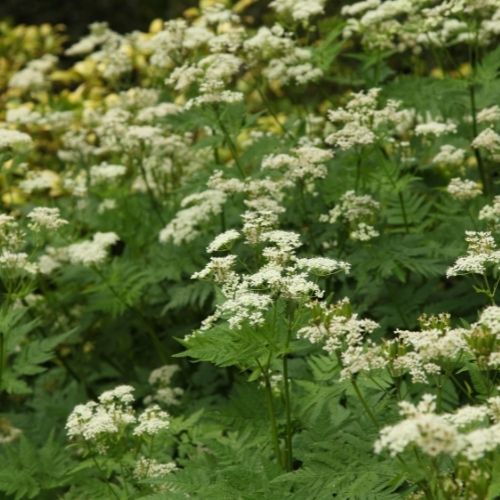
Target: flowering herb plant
(253,253)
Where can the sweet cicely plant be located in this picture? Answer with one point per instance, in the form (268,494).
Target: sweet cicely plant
(252,253)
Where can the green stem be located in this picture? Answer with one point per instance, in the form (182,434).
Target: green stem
(435,469)
(269,108)
(2,355)
(289,447)
(458,384)
(477,153)
(489,291)
(230,143)
(102,473)
(427,487)
(272,414)
(362,400)
(152,199)
(358,173)
(288,406)
(439,400)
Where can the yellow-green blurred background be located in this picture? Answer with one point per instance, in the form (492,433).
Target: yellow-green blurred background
(122,15)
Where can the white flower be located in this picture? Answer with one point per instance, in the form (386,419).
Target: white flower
(197,209)
(39,181)
(17,261)
(491,213)
(424,351)
(463,189)
(151,421)
(8,432)
(358,358)
(342,331)
(481,252)
(223,241)
(163,375)
(104,420)
(363,120)
(268,43)
(298,287)
(14,139)
(92,252)
(480,442)
(432,433)
(106,172)
(307,162)
(214,92)
(442,434)
(435,128)
(489,115)
(488,139)
(45,218)
(147,468)
(286,241)
(121,394)
(107,204)
(363,232)
(359,7)
(246,307)
(220,269)
(299,10)
(352,134)
(323,265)
(23,115)
(161,378)
(490,318)
(449,155)
(358,211)
(34,75)
(467,415)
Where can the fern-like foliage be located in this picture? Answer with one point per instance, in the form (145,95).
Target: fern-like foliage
(27,471)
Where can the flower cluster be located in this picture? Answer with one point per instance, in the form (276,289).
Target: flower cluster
(358,212)
(105,423)
(491,214)
(463,189)
(35,75)
(481,254)
(488,140)
(449,155)
(248,297)
(8,432)
(300,11)
(13,139)
(422,353)
(92,252)
(400,25)
(45,218)
(20,241)
(161,380)
(342,333)
(470,432)
(362,121)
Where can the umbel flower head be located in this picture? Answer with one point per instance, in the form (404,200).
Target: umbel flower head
(13,139)
(470,432)
(93,252)
(45,218)
(113,419)
(481,253)
(463,189)
(248,297)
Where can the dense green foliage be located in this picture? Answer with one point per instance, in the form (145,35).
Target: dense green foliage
(277,231)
